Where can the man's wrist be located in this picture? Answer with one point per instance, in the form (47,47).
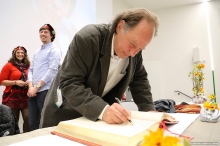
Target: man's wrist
(38,85)
(101,115)
(29,87)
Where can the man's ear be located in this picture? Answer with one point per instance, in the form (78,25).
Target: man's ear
(120,26)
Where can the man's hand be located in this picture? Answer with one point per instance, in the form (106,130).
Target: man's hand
(116,114)
(32,91)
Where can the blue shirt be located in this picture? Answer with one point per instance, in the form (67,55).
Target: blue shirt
(44,65)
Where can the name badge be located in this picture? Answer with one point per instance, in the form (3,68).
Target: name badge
(59,98)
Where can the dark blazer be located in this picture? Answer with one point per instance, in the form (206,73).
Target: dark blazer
(82,78)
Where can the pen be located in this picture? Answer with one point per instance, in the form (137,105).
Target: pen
(119,102)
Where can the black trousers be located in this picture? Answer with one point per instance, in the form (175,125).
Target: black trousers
(35,106)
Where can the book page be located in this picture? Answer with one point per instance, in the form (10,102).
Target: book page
(150,116)
(185,120)
(123,129)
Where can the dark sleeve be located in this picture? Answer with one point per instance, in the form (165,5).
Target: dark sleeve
(75,70)
(140,87)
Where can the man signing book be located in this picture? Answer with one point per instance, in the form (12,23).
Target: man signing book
(101,62)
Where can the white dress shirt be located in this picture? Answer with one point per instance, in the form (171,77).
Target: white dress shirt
(44,65)
(116,72)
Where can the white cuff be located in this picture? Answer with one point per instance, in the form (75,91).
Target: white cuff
(100,116)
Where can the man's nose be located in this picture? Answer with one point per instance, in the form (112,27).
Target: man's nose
(133,52)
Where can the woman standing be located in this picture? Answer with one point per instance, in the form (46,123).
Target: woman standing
(14,77)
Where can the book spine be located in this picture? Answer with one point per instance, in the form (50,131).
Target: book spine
(75,139)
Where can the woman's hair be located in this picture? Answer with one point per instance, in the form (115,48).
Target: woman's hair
(132,17)
(25,60)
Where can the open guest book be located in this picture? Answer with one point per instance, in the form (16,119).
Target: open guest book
(97,133)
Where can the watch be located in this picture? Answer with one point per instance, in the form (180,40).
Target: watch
(38,85)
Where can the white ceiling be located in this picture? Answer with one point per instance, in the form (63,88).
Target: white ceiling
(161,4)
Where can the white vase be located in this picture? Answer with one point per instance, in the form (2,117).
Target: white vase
(199,99)
(207,115)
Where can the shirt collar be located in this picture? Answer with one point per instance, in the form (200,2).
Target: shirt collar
(112,49)
(46,45)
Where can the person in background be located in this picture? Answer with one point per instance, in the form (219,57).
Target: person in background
(102,61)
(44,67)
(14,75)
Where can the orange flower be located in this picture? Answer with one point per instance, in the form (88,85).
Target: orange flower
(201,89)
(202,65)
(195,74)
(217,107)
(198,66)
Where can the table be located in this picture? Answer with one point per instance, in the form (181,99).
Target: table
(203,132)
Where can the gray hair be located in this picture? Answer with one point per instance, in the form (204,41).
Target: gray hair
(132,17)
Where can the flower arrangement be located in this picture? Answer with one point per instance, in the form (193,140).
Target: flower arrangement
(157,139)
(212,105)
(210,111)
(197,77)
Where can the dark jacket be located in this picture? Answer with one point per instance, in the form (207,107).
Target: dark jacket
(8,122)
(83,75)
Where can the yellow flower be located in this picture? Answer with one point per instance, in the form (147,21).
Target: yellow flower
(199,74)
(203,78)
(211,96)
(201,89)
(154,138)
(194,90)
(157,139)
(202,65)
(207,105)
(171,141)
(211,106)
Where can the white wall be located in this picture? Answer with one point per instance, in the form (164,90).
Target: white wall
(181,29)
(153,73)
(103,11)
(20,23)
(119,6)
(214,16)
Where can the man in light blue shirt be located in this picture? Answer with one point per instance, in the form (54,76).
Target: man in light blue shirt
(44,67)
